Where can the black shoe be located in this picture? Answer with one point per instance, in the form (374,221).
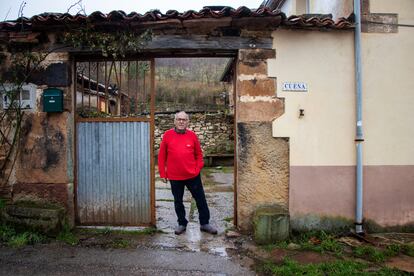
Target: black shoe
(208,228)
(180,229)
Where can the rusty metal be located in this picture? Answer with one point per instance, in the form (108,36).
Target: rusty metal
(152,146)
(106,89)
(89,85)
(122,95)
(235,217)
(114,119)
(98,101)
(82,90)
(114,176)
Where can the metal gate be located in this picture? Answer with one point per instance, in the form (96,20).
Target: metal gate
(114,143)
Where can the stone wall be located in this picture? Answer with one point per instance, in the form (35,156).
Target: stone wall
(43,171)
(214,130)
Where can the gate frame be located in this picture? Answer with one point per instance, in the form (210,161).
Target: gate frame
(148,56)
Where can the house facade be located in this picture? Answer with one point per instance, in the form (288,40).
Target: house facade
(294,96)
(321,122)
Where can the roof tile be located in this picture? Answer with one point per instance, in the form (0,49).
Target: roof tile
(294,21)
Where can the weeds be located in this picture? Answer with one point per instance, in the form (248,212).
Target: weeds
(192,208)
(11,237)
(408,250)
(109,231)
(67,236)
(319,241)
(396,249)
(166,199)
(2,203)
(120,243)
(6,233)
(369,253)
(25,238)
(290,267)
(271,247)
(228,219)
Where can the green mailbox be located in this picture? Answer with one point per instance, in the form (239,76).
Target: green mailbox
(52,100)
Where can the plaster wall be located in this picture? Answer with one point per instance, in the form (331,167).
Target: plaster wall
(388,84)
(341,8)
(323,61)
(322,148)
(404,8)
(44,167)
(338,8)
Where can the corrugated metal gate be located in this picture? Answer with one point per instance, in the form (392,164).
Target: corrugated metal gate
(114,143)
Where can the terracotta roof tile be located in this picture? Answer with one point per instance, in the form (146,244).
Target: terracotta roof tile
(58,19)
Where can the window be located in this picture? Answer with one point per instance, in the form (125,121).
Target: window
(25,98)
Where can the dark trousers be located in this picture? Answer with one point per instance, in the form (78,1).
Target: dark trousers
(195,187)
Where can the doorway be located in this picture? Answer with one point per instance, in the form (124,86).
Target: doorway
(201,87)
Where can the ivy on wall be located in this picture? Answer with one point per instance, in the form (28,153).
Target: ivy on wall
(111,44)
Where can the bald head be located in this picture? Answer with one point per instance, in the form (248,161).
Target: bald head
(181,121)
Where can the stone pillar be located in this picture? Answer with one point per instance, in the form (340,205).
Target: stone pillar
(262,161)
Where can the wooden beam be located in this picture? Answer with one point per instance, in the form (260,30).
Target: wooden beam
(208,42)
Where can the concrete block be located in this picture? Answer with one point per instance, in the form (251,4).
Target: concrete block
(271,224)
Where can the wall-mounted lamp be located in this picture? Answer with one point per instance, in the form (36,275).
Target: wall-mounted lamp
(301,113)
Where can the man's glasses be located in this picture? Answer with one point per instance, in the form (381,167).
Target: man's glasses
(181,120)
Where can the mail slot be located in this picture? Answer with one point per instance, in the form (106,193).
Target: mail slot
(52,100)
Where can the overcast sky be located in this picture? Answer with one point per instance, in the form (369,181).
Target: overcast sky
(9,9)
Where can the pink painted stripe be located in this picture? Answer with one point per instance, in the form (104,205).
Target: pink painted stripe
(330,190)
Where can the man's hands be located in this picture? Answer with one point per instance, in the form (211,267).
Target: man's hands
(165,180)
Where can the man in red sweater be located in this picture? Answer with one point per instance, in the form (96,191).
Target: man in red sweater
(180,160)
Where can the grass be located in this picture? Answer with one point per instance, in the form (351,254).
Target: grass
(318,241)
(376,255)
(166,199)
(120,243)
(370,253)
(227,169)
(16,239)
(271,247)
(192,208)
(25,238)
(67,236)
(228,219)
(396,249)
(2,203)
(340,267)
(109,231)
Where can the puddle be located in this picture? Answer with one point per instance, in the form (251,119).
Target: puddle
(220,251)
(220,198)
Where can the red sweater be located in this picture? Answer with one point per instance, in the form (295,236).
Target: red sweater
(180,155)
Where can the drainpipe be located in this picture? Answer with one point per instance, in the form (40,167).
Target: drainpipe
(359,139)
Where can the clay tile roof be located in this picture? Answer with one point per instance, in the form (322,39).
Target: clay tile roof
(59,19)
(320,21)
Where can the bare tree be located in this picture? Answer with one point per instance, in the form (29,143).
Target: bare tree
(81,8)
